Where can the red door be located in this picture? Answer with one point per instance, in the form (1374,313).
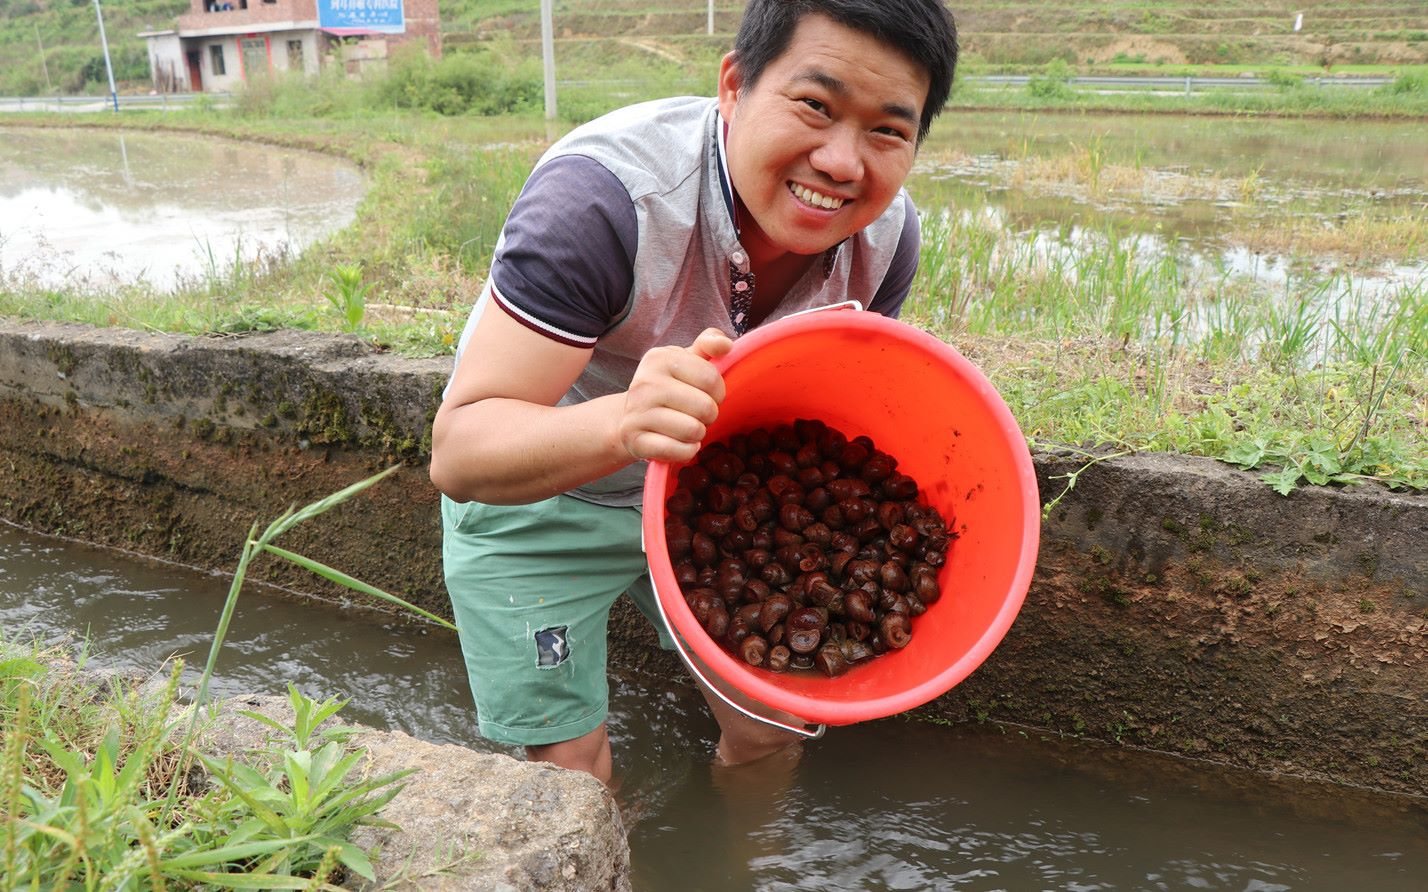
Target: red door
(195,77)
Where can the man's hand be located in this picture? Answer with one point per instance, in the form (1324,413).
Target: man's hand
(673,398)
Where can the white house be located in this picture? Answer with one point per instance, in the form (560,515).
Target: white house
(220,45)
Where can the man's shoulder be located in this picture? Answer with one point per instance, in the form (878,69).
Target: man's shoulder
(652,146)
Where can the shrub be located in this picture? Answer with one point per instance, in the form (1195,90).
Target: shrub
(1284,80)
(461,83)
(1411,84)
(1052,82)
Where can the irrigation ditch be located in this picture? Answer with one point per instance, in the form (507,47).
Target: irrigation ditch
(1178,605)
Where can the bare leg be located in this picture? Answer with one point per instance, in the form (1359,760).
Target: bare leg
(589,753)
(742,739)
(753,772)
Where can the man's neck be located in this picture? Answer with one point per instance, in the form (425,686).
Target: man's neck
(765,257)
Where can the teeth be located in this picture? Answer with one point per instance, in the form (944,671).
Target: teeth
(817,199)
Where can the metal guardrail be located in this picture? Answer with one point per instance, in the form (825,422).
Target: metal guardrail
(1187,84)
(160,101)
(163,101)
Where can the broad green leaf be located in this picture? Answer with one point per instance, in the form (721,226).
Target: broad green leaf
(240,852)
(262,811)
(1283,482)
(249,881)
(1247,453)
(353,858)
(63,836)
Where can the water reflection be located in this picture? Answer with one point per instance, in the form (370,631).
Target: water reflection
(96,210)
(883,805)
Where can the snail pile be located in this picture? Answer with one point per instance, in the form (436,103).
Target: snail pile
(796,547)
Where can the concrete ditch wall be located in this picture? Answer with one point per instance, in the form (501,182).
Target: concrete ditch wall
(1178,605)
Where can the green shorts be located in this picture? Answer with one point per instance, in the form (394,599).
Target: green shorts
(532,587)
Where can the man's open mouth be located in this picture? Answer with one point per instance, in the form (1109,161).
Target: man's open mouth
(816,199)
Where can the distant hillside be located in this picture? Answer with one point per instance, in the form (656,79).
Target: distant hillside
(998,32)
(69,34)
(1334,32)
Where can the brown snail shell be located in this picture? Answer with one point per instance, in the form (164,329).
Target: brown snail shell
(754,650)
(778,658)
(773,610)
(895,630)
(802,641)
(830,660)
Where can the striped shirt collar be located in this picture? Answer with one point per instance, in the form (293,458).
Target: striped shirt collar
(726,186)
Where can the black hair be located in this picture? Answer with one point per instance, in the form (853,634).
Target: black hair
(922,30)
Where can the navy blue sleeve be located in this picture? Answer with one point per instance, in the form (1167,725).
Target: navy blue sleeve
(566,265)
(898,280)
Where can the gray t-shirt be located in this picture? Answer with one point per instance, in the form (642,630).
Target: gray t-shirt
(625,238)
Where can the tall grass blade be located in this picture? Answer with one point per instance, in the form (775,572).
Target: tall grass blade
(357,585)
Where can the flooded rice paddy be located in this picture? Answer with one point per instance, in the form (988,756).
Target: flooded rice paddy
(98,209)
(1219,234)
(1185,178)
(884,805)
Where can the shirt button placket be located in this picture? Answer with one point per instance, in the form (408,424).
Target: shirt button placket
(741,291)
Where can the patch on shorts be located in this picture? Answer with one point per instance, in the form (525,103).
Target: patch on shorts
(552,648)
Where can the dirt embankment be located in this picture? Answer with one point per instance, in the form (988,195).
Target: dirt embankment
(1177,605)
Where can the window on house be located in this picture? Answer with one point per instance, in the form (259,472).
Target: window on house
(295,55)
(215,53)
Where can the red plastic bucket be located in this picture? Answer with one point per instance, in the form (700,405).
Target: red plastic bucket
(936,413)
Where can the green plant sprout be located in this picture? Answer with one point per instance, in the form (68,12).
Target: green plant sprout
(348,294)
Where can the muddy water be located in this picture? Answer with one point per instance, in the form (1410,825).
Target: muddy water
(98,209)
(886,805)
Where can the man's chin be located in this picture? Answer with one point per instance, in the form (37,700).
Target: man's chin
(812,247)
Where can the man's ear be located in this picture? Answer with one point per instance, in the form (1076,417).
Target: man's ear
(730,80)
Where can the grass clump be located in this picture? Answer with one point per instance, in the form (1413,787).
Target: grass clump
(95,789)
(1096,344)
(97,786)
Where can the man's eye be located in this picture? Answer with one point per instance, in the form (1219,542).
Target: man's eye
(813,104)
(892,131)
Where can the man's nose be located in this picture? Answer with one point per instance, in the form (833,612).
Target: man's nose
(839,155)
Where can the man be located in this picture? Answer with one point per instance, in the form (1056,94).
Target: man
(678,222)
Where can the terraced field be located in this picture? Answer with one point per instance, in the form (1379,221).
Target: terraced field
(51,46)
(1212,32)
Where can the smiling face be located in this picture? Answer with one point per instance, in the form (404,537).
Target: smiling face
(821,143)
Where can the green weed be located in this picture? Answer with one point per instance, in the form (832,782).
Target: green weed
(95,788)
(348,294)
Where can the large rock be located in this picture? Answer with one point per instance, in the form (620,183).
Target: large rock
(468,820)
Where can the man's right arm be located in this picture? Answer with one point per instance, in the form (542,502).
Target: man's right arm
(561,277)
(499,438)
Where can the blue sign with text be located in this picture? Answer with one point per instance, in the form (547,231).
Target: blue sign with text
(385,16)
